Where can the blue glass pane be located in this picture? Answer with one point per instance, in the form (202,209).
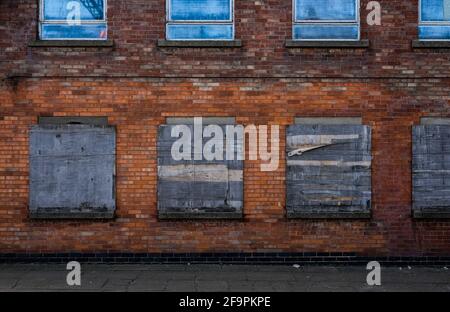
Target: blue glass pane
(200,10)
(435,10)
(65,31)
(189,31)
(325,10)
(332,32)
(68,9)
(434,32)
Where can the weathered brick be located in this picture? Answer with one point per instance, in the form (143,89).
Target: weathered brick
(137,85)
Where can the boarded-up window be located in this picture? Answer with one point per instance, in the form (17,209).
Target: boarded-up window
(72,170)
(198,188)
(431,171)
(328,171)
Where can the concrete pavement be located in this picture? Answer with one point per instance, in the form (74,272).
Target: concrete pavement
(204,278)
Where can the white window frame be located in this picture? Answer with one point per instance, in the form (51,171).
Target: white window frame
(169,22)
(431,23)
(355,22)
(43,21)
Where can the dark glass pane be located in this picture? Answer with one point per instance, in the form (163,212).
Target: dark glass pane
(200,10)
(325,9)
(434,32)
(65,31)
(67,9)
(189,31)
(332,32)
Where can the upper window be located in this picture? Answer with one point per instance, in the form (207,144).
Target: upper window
(326,20)
(434,21)
(73,20)
(200,20)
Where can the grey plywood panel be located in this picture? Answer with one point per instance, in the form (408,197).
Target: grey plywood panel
(434,121)
(205,120)
(196,188)
(72,171)
(71,140)
(431,170)
(328,171)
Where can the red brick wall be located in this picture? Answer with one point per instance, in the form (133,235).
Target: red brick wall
(263,26)
(137,85)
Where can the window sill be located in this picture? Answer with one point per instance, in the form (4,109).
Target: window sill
(57,214)
(422,44)
(72,43)
(421,214)
(361,44)
(200,215)
(200,43)
(329,215)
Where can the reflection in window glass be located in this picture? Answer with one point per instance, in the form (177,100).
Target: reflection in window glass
(58,31)
(326,20)
(200,20)
(435,10)
(325,10)
(73,20)
(434,20)
(192,31)
(328,32)
(200,10)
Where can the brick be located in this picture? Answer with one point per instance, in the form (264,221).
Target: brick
(136,85)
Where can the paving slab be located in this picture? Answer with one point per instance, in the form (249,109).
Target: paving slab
(207,278)
(212,286)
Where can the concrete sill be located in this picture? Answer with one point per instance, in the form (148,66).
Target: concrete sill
(361,44)
(328,215)
(431,214)
(200,215)
(200,43)
(72,43)
(59,215)
(421,44)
